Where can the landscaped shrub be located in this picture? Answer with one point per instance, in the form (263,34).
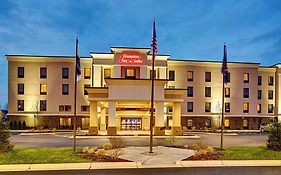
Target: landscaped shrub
(85,150)
(274,138)
(100,152)
(116,142)
(107,146)
(5,144)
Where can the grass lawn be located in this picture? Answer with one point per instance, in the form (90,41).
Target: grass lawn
(40,155)
(250,153)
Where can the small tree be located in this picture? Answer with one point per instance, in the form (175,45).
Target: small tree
(5,144)
(274,138)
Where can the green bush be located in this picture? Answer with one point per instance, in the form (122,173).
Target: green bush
(274,138)
(5,145)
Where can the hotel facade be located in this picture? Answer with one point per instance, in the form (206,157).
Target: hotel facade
(115,90)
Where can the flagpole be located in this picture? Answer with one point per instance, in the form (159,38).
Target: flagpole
(75,94)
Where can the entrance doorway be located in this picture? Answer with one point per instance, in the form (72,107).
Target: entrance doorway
(131,124)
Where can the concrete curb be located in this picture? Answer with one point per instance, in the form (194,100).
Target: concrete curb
(136,136)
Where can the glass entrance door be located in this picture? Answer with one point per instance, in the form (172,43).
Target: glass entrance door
(130,123)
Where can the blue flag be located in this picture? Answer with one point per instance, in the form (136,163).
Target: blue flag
(224,69)
(78,66)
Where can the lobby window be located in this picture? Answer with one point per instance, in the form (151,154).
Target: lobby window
(246,92)
(20,88)
(87,73)
(245,123)
(227,92)
(227,77)
(85,86)
(270,81)
(171,75)
(259,94)
(246,77)
(20,105)
(189,75)
(85,108)
(208,123)
(245,107)
(190,91)
(65,73)
(20,72)
(207,106)
(270,108)
(227,107)
(43,105)
(259,80)
(64,107)
(131,73)
(208,77)
(226,123)
(43,72)
(65,89)
(258,108)
(107,73)
(189,106)
(208,91)
(43,89)
(270,95)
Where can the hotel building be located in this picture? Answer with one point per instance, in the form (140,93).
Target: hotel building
(115,89)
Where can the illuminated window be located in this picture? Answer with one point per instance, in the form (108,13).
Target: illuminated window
(130,73)
(246,77)
(226,123)
(189,75)
(245,123)
(65,73)
(208,123)
(20,88)
(259,94)
(65,122)
(43,105)
(246,92)
(85,108)
(172,75)
(227,107)
(227,92)
(208,91)
(20,105)
(190,91)
(259,80)
(107,73)
(207,106)
(189,122)
(189,106)
(258,108)
(87,73)
(270,81)
(20,72)
(270,108)
(43,72)
(245,107)
(270,95)
(65,89)
(208,77)
(85,86)
(43,89)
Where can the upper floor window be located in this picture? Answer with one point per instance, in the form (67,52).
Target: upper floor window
(227,92)
(189,106)
(20,88)
(227,77)
(64,107)
(270,81)
(190,91)
(43,72)
(172,75)
(65,89)
(259,94)
(85,86)
(43,105)
(85,108)
(207,91)
(227,107)
(246,92)
(20,72)
(245,107)
(131,73)
(189,75)
(87,73)
(259,80)
(270,95)
(270,108)
(107,73)
(151,74)
(208,77)
(43,89)
(207,106)
(20,105)
(246,77)
(65,73)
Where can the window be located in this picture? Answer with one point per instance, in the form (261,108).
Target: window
(65,73)
(43,105)
(226,123)
(227,107)
(131,73)
(64,107)
(259,94)
(170,108)
(207,91)
(245,107)
(270,95)
(246,92)
(270,108)
(20,88)
(20,72)
(227,92)
(258,108)
(107,73)
(65,89)
(43,89)
(85,86)
(270,81)
(245,123)
(246,77)
(43,72)
(87,73)
(227,77)
(208,77)
(20,105)
(207,106)
(85,108)
(189,75)
(189,106)
(190,91)
(172,75)
(189,123)
(208,123)
(259,80)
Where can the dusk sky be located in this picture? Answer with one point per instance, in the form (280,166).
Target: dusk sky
(186,29)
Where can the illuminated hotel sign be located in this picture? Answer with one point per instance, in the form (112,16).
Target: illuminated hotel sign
(130,58)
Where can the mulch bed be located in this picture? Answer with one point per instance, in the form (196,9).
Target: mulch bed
(208,156)
(103,158)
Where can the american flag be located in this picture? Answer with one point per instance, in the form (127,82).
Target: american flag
(78,66)
(224,69)
(154,41)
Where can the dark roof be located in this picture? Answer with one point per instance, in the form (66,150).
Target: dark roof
(64,56)
(211,61)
